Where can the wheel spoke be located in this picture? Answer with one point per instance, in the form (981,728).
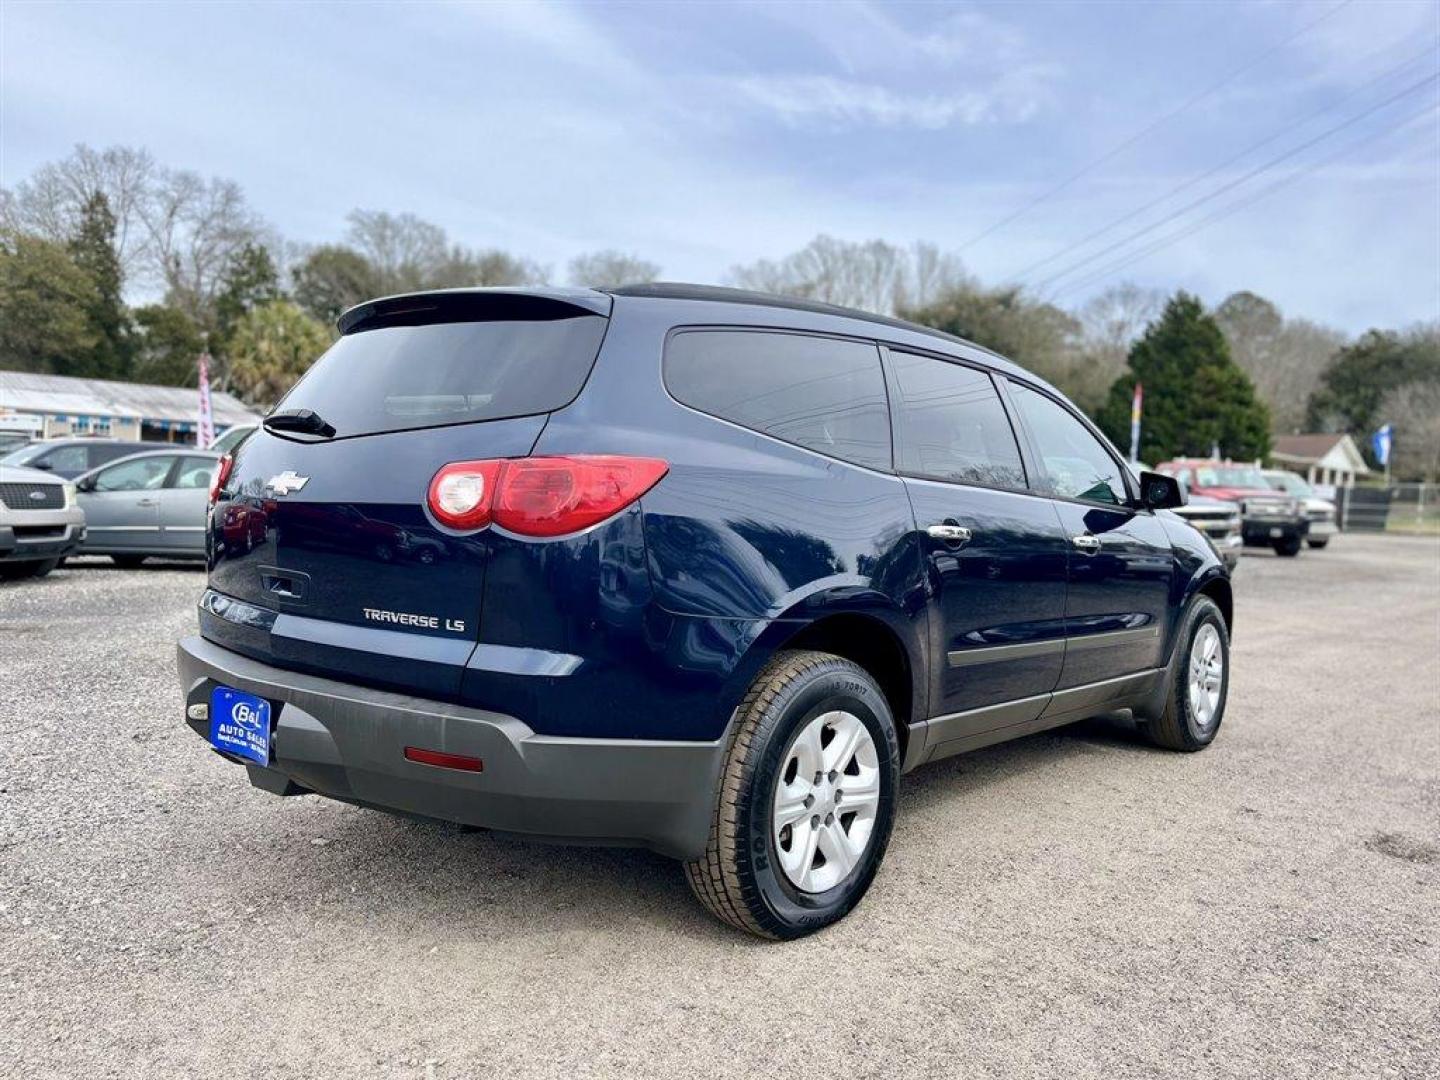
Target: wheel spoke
(840,854)
(860,791)
(790,804)
(849,732)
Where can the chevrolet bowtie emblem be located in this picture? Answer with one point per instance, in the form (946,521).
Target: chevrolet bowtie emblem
(287,482)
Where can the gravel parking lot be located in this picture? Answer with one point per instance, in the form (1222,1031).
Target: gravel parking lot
(1070,904)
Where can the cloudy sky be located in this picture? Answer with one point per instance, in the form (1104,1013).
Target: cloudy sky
(702,135)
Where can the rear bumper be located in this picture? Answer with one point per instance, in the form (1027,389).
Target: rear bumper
(347,742)
(1323,530)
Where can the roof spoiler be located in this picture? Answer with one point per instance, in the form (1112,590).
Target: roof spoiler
(474,305)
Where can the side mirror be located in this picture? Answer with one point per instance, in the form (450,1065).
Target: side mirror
(1161,492)
(87,484)
(47,466)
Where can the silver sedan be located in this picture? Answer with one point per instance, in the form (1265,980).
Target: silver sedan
(147,504)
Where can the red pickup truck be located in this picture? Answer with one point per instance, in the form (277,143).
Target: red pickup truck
(1269,518)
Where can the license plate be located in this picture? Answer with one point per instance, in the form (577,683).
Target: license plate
(240,724)
(1276,533)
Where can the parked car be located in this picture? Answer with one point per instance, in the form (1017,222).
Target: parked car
(720,568)
(230,440)
(147,504)
(14,440)
(1320,513)
(1268,518)
(68,458)
(40,522)
(1217,519)
(1220,521)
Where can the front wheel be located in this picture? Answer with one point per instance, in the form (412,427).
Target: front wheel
(806,800)
(1199,681)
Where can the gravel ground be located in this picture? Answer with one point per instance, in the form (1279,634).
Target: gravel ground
(1071,904)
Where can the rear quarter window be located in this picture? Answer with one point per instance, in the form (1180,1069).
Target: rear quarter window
(825,394)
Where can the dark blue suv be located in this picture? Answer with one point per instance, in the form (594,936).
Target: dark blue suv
(689,568)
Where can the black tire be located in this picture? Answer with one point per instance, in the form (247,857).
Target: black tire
(1316,545)
(739,878)
(128,562)
(1287,548)
(1177,728)
(17,571)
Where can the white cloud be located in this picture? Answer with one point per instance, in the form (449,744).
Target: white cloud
(802,100)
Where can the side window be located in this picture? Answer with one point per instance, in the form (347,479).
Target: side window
(143,474)
(100,453)
(821,393)
(951,425)
(1075,462)
(195,472)
(67,458)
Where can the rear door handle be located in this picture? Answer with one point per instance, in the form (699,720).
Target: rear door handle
(950,532)
(147,502)
(1086,543)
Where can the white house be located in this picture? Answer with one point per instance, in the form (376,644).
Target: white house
(1324,459)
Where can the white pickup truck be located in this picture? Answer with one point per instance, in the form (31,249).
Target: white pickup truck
(40,522)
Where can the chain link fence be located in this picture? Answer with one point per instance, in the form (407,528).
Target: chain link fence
(1412,508)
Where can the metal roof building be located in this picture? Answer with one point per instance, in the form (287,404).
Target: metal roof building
(121,410)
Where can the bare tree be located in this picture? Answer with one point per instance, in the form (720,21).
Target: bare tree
(1285,359)
(195,226)
(1414,410)
(607,269)
(402,249)
(50,203)
(931,274)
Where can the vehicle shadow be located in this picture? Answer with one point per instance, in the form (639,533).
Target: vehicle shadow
(451,879)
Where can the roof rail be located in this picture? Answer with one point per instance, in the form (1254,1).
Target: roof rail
(670,290)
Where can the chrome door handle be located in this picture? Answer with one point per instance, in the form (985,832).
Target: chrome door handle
(951,534)
(148,502)
(1086,543)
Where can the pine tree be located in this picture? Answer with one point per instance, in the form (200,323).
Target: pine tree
(1196,397)
(92,248)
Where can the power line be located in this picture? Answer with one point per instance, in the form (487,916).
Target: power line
(1133,139)
(1230,185)
(1240,204)
(1187,184)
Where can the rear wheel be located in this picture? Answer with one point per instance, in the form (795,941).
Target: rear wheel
(17,570)
(1288,548)
(1317,544)
(128,562)
(806,800)
(1199,681)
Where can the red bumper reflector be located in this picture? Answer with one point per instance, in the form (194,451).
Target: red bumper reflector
(444,761)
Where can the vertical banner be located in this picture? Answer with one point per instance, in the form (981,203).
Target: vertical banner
(1381,442)
(1135,423)
(205,435)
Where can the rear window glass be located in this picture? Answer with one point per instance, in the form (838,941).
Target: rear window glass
(824,394)
(395,378)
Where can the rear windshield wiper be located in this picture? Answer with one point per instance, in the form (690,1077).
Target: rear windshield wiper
(302,420)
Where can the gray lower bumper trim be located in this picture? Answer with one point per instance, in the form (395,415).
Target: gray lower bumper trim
(348,742)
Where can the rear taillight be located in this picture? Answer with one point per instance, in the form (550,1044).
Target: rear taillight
(541,496)
(222,474)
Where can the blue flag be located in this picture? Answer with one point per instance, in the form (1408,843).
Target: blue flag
(1380,443)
